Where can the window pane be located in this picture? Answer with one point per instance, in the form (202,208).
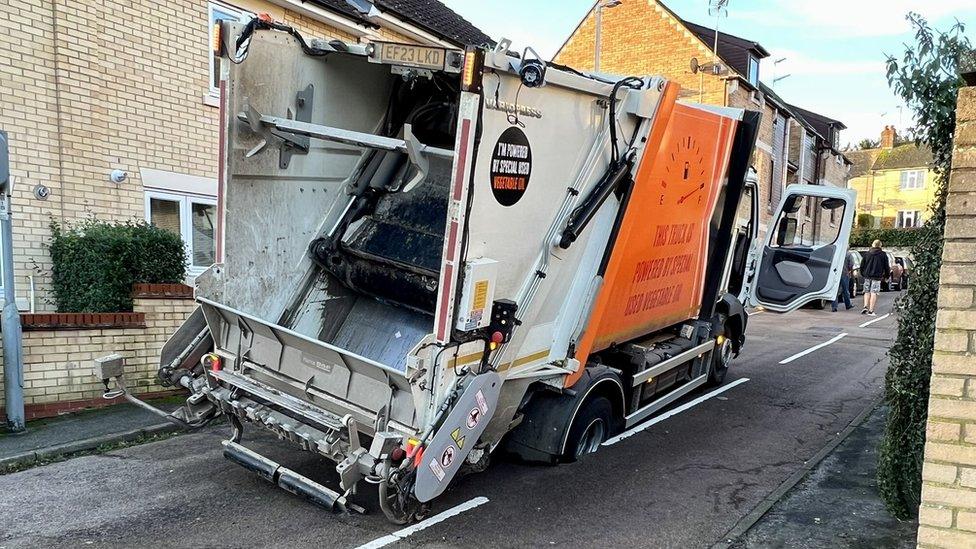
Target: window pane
(165,214)
(202,234)
(811,230)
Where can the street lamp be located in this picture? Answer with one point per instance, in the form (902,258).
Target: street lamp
(599,23)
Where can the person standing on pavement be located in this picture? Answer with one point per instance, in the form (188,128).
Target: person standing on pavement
(874,269)
(845,285)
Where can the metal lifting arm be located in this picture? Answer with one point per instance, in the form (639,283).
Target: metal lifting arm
(617,176)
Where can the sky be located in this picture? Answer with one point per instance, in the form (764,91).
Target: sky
(834,50)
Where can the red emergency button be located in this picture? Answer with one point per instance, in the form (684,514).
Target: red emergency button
(497,337)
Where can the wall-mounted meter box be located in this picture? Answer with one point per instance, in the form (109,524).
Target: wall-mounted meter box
(477,294)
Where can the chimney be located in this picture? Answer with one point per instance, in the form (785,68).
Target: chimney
(888,137)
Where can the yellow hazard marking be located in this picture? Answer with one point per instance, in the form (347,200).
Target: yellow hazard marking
(475,357)
(458,439)
(480,294)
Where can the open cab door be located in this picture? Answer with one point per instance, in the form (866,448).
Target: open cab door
(803,253)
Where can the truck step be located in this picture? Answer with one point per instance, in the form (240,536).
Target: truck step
(287,479)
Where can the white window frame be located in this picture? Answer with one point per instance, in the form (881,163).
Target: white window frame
(909,183)
(753,61)
(242,16)
(186,202)
(902,215)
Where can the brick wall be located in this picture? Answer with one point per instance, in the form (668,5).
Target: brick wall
(88,86)
(641,38)
(58,363)
(947,516)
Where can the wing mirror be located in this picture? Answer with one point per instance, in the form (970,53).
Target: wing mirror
(832,203)
(786,231)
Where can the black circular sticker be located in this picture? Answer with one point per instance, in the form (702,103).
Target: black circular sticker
(511,166)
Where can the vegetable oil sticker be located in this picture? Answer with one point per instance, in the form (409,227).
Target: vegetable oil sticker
(511,166)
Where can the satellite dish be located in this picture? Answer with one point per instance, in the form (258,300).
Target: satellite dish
(694,65)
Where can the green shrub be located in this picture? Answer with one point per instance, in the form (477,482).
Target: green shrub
(865,221)
(890,238)
(926,79)
(95,263)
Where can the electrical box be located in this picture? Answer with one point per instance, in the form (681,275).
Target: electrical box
(109,366)
(477,294)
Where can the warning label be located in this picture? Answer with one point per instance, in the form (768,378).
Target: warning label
(437,469)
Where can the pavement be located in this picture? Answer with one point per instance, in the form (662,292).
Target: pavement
(837,504)
(82,431)
(686,481)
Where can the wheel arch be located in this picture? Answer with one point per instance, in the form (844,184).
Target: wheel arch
(736,319)
(547,417)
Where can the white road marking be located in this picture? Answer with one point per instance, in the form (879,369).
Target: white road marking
(870,322)
(756,312)
(424,524)
(830,341)
(686,406)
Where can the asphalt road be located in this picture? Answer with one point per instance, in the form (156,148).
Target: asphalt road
(683,482)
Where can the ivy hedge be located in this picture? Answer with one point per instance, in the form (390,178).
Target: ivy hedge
(890,238)
(926,78)
(95,263)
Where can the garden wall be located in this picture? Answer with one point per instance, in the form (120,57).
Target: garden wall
(59,349)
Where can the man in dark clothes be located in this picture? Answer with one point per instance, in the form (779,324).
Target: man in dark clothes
(874,269)
(845,285)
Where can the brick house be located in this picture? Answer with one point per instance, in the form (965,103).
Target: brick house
(92,86)
(646,37)
(895,184)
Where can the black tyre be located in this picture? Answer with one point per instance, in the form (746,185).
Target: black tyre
(592,425)
(721,360)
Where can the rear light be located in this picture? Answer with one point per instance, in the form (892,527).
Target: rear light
(471,74)
(212,362)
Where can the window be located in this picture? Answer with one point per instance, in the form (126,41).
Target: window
(221,12)
(794,229)
(193,218)
(911,180)
(908,219)
(753,71)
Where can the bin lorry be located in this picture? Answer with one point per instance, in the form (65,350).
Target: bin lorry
(428,256)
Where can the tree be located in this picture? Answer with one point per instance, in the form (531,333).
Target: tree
(865,144)
(926,79)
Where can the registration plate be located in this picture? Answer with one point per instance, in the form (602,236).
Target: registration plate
(411,56)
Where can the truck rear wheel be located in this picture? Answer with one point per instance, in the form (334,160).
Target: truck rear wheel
(590,428)
(721,359)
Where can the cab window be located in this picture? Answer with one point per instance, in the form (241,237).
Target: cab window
(806,222)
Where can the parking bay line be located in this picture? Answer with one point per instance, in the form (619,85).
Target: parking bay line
(686,406)
(830,341)
(424,524)
(870,322)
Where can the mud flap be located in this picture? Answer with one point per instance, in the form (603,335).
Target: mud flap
(457,435)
